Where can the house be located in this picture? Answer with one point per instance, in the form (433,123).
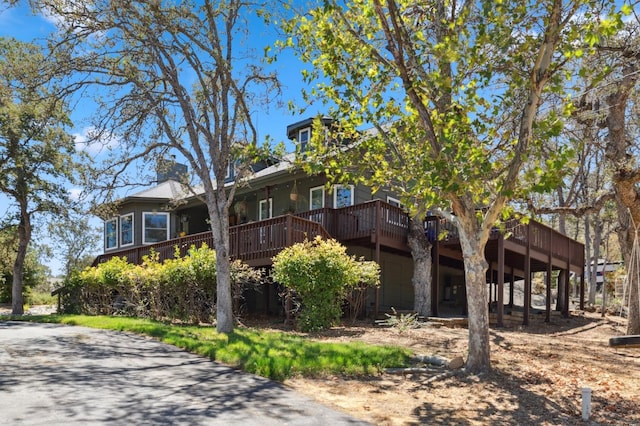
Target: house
(283,205)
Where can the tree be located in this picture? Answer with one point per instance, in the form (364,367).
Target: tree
(620,57)
(607,109)
(453,90)
(182,79)
(34,273)
(75,241)
(36,153)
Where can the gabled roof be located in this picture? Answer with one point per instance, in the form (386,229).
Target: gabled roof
(167,190)
(171,190)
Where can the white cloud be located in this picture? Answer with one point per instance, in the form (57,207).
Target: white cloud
(68,15)
(93,142)
(52,18)
(75,193)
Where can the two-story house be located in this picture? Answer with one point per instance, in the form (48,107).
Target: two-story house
(282,205)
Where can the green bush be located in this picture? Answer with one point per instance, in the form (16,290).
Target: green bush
(322,274)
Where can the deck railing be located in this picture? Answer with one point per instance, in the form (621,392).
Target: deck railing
(546,240)
(247,242)
(361,220)
(257,241)
(265,239)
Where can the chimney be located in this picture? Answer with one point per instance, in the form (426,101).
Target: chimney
(169,169)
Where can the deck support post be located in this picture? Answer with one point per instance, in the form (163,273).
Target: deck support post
(512,278)
(267,291)
(376,307)
(547,283)
(566,286)
(500,290)
(490,281)
(527,280)
(582,290)
(567,282)
(435,277)
(547,280)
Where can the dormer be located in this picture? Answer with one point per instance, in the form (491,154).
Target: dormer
(300,132)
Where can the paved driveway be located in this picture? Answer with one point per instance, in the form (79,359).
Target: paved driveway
(61,375)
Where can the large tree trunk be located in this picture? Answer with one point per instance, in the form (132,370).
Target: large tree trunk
(219,216)
(24,237)
(475,268)
(618,152)
(421,253)
(626,237)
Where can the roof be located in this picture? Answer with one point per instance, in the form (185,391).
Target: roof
(168,190)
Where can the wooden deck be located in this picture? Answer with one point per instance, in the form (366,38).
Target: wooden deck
(370,223)
(255,243)
(512,255)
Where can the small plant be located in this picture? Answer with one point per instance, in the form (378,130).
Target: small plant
(401,322)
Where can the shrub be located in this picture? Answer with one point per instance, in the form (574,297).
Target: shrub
(183,288)
(321,274)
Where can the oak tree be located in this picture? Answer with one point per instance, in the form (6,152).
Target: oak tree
(36,151)
(182,78)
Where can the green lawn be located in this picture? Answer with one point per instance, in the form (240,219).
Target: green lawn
(275,355)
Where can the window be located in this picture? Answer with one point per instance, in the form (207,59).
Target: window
(394,201)
(126,229)
(395,217)
(155,227)
(231,172)
(342,196)
(303,138)
(316,198)
(266,209)
(111,233)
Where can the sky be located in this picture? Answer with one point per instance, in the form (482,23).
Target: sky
(22,24)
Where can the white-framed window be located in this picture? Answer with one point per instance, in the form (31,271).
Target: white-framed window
(155,227)
(231,172)
(111,233)
(126,229)
(394,201)
(303,138)
(316,198)
(394,216)
(342,196)
(265,209)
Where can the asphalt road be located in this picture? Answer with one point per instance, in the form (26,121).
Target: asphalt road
(62,375)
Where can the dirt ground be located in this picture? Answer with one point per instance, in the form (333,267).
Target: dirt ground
(537,376)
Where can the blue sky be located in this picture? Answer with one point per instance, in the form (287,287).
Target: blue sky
(22,24)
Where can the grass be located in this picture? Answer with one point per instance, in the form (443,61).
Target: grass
(275,355)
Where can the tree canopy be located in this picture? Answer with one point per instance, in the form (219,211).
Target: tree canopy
(175,77)
(36,152)
(454,91)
